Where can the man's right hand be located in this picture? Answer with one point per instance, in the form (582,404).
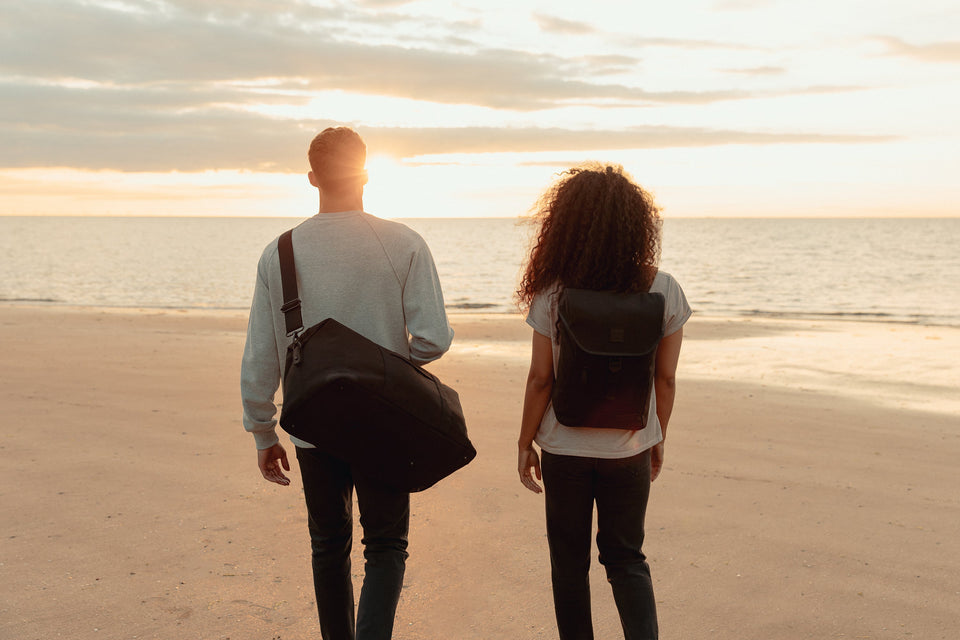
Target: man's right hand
(270,460)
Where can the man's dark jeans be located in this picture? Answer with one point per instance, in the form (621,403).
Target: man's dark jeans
(621,488)
(328,485)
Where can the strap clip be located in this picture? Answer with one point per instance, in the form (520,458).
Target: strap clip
(290,306)
(297,347)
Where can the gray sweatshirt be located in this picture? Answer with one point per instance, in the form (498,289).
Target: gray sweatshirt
(375,276)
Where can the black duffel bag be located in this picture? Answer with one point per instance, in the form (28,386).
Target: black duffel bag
(365,404)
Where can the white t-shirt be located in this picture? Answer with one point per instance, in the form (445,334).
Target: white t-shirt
(603,443)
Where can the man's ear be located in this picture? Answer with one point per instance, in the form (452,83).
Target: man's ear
(313,179)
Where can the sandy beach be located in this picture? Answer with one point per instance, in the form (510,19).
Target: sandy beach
(810,488)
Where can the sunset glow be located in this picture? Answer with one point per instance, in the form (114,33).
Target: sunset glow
(720,107)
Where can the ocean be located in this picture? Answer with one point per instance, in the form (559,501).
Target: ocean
(883,269)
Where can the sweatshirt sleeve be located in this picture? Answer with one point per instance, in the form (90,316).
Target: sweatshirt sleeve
(425,315)
(260,368)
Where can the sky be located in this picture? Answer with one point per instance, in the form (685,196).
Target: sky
(471,107)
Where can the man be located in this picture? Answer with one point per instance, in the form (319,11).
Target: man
(378,278)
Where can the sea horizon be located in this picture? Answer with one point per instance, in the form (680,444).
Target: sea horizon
(187,216)
(866,269)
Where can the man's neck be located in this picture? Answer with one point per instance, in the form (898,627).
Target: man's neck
(333,203)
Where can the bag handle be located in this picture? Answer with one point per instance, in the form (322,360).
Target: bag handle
(288,277)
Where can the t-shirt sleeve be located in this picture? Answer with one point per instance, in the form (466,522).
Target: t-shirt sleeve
(540,317)
(676,308)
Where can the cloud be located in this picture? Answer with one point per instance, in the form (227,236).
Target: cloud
(932,52)
(559,26)
(741,5)
(757,71)
(145,85)
(610,64)
(692,44)
(156,131)
(228,44)
(429,141)
(384,3)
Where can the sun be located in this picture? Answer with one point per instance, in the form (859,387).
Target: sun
(392,188)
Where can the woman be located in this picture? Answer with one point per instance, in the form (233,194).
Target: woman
(598,230)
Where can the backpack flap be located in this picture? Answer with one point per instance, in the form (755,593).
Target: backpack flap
(608,323)
(608,343)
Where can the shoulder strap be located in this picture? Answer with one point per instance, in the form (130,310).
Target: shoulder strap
(288,277)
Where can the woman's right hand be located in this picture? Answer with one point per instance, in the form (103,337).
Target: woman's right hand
(527,460)
(656,461)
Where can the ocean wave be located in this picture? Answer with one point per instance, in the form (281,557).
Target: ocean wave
(473,305)
(853,316)
(32,300)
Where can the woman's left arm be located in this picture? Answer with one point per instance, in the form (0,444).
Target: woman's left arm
(535,401)
(665,387)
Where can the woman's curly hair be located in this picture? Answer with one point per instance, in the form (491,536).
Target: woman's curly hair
(597,230)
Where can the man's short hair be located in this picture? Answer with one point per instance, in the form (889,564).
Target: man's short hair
(337,156)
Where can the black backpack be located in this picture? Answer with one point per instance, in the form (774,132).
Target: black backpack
(608,348)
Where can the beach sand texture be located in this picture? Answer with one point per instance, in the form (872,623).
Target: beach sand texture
(810,488)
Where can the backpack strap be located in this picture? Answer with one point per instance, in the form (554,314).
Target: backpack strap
(288,278)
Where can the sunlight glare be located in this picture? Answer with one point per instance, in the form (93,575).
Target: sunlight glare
(392,189)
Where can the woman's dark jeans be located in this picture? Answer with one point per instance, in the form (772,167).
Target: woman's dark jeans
(328,485)
(621,488)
